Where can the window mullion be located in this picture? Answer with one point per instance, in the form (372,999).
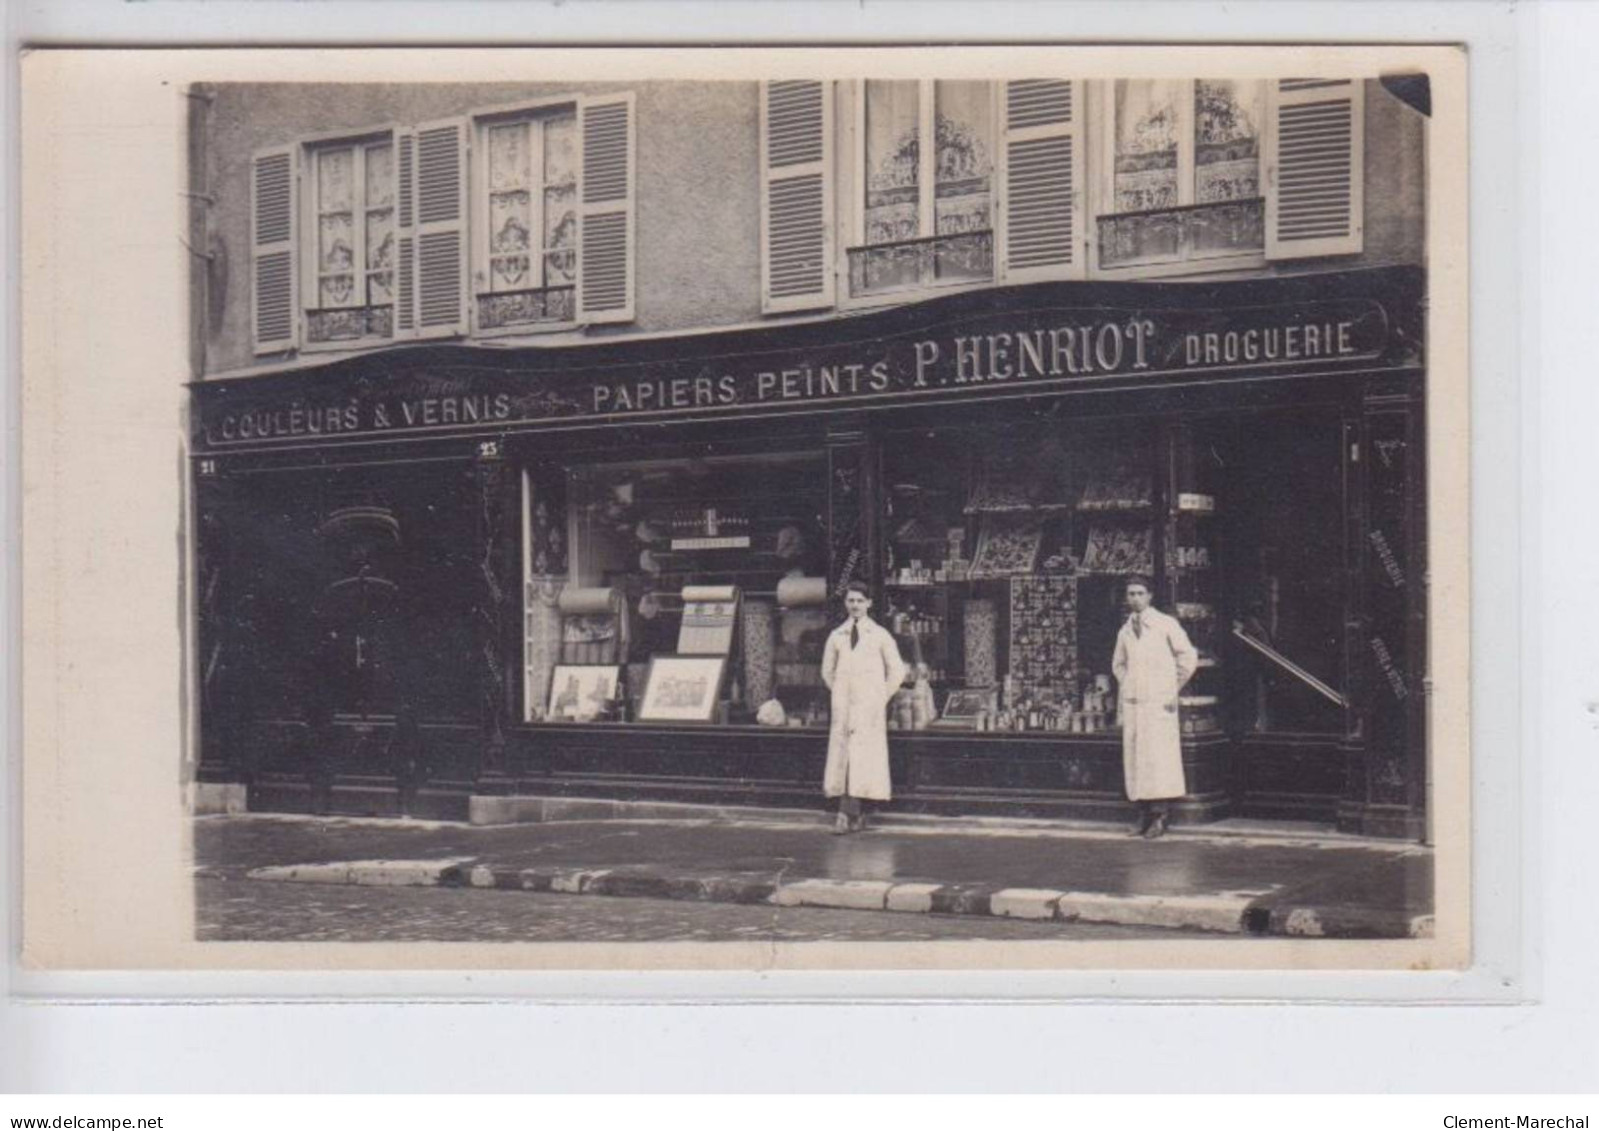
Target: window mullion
(479,211)
(860,172)
(359,220)
(1185,145)
(318,211)
(311,240)
(927,163)
(535,212)
(926,171)
(1186,168)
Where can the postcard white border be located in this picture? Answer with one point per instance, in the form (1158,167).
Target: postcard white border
(1506,43)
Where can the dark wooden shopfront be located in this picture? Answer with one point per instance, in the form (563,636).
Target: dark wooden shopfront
(359,542)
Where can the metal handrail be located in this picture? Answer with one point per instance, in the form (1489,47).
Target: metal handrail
(946,237)
(556,289)
(1288,665)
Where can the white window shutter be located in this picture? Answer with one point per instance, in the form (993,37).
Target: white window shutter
(274,232)
(1041,232)
(606,236)
(1314,157)
(797,267)
(441,275)
(405,234)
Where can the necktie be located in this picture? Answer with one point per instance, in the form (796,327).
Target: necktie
(1138,625)
(854,634)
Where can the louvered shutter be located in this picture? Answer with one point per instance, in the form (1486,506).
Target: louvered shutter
(1041,232)
(796,195)
(441,290)
(405,234)
(605,219)
(1314,166)
(274,230)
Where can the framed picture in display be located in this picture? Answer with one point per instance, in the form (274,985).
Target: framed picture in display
(968,703)
(579,692)
(682,689)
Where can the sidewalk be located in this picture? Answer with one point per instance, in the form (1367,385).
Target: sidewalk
(1248,880)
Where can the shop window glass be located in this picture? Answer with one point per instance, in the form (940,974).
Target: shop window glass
(1290,582)
(655,551)
(1006,561)
(352,291)
(927,210)
(1185,182)
(528,257)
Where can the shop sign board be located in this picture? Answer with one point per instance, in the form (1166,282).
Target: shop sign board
(902,356)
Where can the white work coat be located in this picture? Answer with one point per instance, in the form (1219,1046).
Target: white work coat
(862,680)
(1151,667)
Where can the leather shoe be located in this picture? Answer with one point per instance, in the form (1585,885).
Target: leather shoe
(1157,828)
(841,824)
(1141,827)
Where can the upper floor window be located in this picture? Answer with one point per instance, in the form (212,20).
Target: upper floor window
(526,254)
(350,265)
(926,185)
(1184,172)
(944,183)
(502,222)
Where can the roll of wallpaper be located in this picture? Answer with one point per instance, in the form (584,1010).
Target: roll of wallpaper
(597,600)
(543,627)
(798,592)
(760,639)
(796,626)
(981,630)
(708,592)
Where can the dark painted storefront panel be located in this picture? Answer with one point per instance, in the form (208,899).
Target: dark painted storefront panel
(439,719)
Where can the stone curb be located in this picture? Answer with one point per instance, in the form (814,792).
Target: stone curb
(1236,913)
(370,873)
(1347,923)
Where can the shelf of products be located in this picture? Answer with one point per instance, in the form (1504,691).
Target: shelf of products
(1004,562)
(1024,578)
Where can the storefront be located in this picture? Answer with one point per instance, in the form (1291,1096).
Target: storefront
(445,572)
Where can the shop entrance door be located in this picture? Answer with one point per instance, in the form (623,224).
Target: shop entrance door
(356,619)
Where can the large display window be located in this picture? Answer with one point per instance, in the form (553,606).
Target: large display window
(1007,558)
(721,557)
(1005,554)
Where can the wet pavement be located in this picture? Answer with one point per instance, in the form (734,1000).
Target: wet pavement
(1268,884)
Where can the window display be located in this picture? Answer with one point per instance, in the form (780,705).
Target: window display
(1004,562)
(721,557)
(1007,556)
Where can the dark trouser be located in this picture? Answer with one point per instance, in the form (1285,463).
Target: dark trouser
(1151,811)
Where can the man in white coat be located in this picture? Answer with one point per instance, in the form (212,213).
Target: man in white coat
(1153,661)
(862,667)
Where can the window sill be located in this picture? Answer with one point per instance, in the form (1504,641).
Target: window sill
(531,330)
(346,345)
(912,294)
(1214,265)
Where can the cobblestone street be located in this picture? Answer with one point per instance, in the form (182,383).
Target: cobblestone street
(653,880)
(229,909)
